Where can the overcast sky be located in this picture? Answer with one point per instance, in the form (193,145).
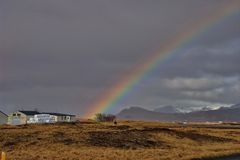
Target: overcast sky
(61,55)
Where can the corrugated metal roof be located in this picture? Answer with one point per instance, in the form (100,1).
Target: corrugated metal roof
(57,114)
(3,113)
(30,113)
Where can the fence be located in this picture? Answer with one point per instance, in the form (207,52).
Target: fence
(3,157)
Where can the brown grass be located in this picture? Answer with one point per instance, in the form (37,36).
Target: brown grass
(126,141)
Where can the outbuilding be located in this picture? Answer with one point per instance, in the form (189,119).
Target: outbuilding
(42,118)
(61,117)
(21,117)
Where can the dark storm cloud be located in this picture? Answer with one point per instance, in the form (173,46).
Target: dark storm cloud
(60,55)
(201,76)
(219,60)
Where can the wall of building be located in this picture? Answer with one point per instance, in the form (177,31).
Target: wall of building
(66,118)
(3,118)
(18,118)
(73,118)
(42,118)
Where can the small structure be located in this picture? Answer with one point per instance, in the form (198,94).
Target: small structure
(21,117)
(42,118)
(3,118)
(61,117)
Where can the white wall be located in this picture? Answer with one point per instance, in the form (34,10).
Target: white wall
(3,118)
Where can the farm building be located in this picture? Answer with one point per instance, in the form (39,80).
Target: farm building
(42,118)
(25,117)
(21,117)
(3,118)
(60,117)
(52,118)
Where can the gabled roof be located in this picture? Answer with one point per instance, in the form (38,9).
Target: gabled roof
(3,113)
(57,114)
(30,113)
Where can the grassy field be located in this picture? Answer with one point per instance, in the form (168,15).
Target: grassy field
(125,141)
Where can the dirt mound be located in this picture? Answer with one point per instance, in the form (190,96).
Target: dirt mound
(127,137)
(124,139)
(121,127)
(189,135)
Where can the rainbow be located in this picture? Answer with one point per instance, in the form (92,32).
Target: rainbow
(122,88)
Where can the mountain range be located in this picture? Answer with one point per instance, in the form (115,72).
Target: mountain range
(224,114)
(167,109)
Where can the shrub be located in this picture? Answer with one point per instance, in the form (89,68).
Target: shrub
(101,117)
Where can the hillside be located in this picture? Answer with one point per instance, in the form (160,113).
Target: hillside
(128,140)
(223,114)
(167,109)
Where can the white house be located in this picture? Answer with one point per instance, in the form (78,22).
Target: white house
(61,117)
(42,118)
(21,117)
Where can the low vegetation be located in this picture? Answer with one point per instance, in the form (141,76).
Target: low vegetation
(100,117)
(125,141)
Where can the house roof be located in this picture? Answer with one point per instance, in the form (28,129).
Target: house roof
(3,113)
(57,114)
(30,113)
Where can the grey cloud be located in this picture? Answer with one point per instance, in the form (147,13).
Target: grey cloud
(194,83)
(217,60)
(61,55)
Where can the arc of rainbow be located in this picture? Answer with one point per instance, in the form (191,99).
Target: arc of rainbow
(140,72)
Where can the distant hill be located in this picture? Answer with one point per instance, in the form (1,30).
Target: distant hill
(206,109)
(235,106)
(138,113)
(167,109)
(230,114)
(181,109)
